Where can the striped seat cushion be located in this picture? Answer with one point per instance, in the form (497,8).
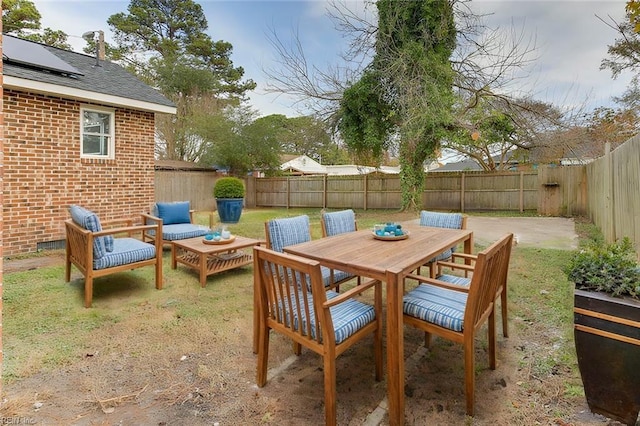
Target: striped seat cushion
(125,251)
(181,231)
(348,317)
(436,305)
(453,279)
(339,222)
(337,276)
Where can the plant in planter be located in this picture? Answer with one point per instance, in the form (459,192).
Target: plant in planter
(229,194)
(607,327)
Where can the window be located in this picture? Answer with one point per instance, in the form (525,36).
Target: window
(97,130)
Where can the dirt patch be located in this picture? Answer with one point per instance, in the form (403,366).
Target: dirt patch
(181,369)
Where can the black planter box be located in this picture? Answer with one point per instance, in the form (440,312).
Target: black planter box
(607,338)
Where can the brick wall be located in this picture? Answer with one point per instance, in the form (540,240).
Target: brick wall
(44,174)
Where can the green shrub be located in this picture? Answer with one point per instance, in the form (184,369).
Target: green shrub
(610,268)
(228,187)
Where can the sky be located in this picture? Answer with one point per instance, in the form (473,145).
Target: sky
(569,36)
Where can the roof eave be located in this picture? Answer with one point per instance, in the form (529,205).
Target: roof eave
(10,82)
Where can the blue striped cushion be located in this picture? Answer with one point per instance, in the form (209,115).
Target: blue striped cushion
(89,221)
(348,317)
(181,231)
(125,251)
(441,220)
(337,276)
(288,231)
(436,305)
(453,279)
(339,222)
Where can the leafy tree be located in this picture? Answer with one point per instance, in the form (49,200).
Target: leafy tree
(165,43)
(21,18)
(408,88)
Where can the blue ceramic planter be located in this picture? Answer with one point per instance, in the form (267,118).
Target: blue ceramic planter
(229,209)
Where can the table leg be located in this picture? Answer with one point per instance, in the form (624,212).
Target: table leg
(395,349)
(174,264)
(203,270)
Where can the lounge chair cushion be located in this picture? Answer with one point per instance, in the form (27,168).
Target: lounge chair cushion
(180,231)
(172,213)
(89,221)
(436,305)
(125,251)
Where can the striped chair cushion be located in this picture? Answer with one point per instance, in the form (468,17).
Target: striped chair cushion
(288,231)
(89,221)
(348,317)
(337,276)
(339,222)
(453,279)
(437,306)
(181,231)
(125,251)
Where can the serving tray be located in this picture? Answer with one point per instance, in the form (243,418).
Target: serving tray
(390,237)
(221,241)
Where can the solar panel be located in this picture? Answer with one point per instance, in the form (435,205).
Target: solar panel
(33,54)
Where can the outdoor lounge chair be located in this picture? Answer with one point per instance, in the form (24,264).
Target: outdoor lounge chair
(177,222)
(293,301)
(96,253)
(457,312)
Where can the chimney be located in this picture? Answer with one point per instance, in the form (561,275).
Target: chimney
(100,46)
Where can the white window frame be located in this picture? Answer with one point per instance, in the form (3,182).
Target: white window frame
(103,133)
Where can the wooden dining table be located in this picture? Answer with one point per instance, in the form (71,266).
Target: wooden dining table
(390,261)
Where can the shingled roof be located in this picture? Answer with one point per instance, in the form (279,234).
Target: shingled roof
(101,81)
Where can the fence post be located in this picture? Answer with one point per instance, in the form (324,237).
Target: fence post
(521,191)
(288,192)
(324,191)
(462,192)
(366,191)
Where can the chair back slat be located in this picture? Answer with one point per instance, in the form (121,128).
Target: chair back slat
(490,271)
(291,293)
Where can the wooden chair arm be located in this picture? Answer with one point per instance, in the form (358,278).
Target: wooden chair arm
(465,256)
(453,265)
(114,222)
(209,213)
(125,229)
(438,283)
(352,292)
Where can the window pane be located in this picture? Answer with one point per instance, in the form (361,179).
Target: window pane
(96,122)
(95,145)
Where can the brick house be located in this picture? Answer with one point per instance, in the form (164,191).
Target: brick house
(78,130)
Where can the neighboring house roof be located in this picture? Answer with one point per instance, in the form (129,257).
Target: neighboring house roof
(303,165)
(181,165)
(105,83)
(460,166)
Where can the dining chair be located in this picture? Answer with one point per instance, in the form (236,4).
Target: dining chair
(293,301)
(441,220)
(467,265)
(457,312)
(284,232)
(340,222)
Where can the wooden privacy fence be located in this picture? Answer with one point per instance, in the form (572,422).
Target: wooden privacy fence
(614,192)
(557,191)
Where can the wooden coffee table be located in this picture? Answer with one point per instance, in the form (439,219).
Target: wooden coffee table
(210,259)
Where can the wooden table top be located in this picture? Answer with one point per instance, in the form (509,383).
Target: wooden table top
(360,253)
